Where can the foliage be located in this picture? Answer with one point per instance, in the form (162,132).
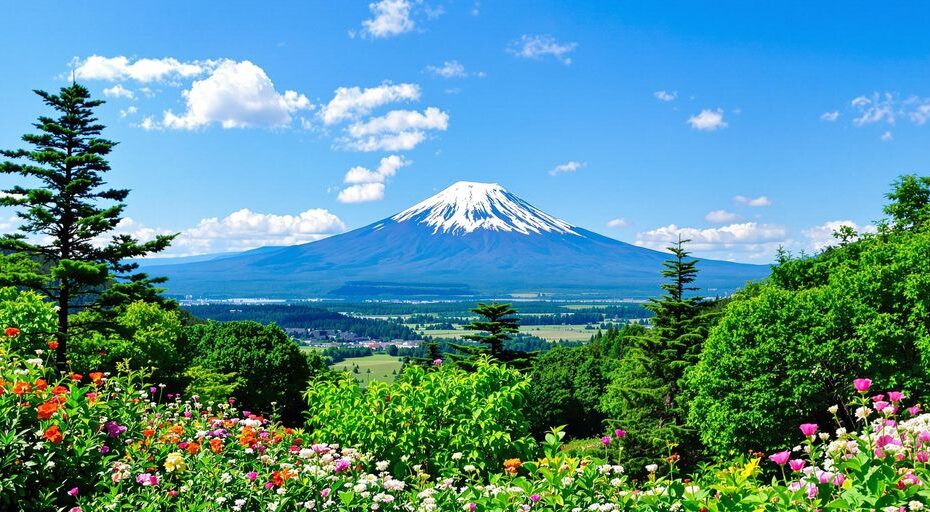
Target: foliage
(567,384)
(426,417)
(783,349)
(34,317)
(144,335)
(496,325)
(271,368)
(210,385)
(63,219)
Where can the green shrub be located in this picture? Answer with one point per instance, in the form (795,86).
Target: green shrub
(32,315)
(425,417)
(566,388)
(271,368)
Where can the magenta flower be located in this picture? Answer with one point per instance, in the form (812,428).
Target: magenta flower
(619,433)
(251,475)
(780,458)
(534,498)
(914,411)
(839,479)
(923,456)
(924,437)
(605,440)
(437,362)
(341,465)
(73,492)
(325,492)
(862,385)
(472,507)
(809,429)
(895,396)
(75,509)
(269,485)
(797,464)
(104,449)
(881,405)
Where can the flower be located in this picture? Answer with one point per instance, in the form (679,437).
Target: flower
(73,491)
(619,433)
(147,480)
(512,465)
(862,385)
(780,458)
(47,409)
(11,332)
(53,434)
(797,464)
(96,377)
(895,396)
(175,462)
(437,362)
(534,498)
(652,468)
(251,475)
(113,429)
(21,388)
(808,429)
(605,440)
(52,344)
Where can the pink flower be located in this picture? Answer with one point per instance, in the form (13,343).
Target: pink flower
(862,385)
(914,411)
(437,362)
(269,485)
(924,437)
(797,464)
(812,491)
(534,498)
(75,509)
(251,475)
(878,398)
(895,396)
(73,492)
(808,429)
(619,433)
(780,458)
(839,479)
(325,492)
(472,507)
(605,440)
(923,456)
(881,405)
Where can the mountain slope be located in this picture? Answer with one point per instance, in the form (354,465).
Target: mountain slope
(471,238)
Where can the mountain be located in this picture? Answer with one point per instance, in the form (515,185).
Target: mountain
(471,239)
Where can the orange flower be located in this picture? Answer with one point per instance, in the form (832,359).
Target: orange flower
(216,445)
(52,344)
(511,466)
(96,377)
(76,377)
(40,384)
(279,477)
(12,332)
(193,448)
(148,432)
(53,434)
(20,388)
(59,390)
(46,410)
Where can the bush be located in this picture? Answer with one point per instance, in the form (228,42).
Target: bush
(783,350)
(426,417)
(566,388)
(32,315)
(271,369)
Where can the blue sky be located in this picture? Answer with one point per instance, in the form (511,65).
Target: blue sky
(745,127)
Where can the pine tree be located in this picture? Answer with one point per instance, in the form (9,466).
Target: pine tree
(67,215)
(495,326)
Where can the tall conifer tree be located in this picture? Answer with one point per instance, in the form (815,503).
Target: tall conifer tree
(69,216)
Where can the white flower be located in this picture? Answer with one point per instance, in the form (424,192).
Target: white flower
(863,412)
(382,465)
(915,505)
(833,409)
(652,468)
(469,468)
(456,455)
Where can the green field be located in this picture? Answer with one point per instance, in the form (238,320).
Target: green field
(381,366)
(546,332)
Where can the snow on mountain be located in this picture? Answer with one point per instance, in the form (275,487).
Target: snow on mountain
(467,206)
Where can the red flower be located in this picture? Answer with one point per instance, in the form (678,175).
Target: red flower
(59,390)
(216,445)
(53,434)
(96,377)
(40,384)
(46,410)
(76,377)
(53,344)
(12,332)
(20,388)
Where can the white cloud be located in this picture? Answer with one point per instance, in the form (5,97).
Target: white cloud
(131,109)
(887,136)
(570,166)
(449,69)
(362,193)
(830,116)
(398,130)
(118,91)
(879,108)
(753,201)
(920,110)
(819,237)
(720,216)
(708,120)
(540,46)
(242,230)
(353,102)
(618,223)
(665,95)
(236,95)
(389,18)
(749,240)
(120,68)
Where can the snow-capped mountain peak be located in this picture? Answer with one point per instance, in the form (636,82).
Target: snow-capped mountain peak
(468,206)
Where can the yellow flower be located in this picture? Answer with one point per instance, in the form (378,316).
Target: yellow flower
(175,462)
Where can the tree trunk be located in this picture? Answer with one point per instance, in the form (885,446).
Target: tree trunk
(61,360)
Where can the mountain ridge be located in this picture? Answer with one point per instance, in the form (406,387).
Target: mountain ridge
(471,236)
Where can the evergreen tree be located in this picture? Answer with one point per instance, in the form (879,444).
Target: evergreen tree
(68,213)
(495,326)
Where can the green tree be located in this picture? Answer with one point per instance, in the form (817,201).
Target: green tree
(270,368)
(909,205)
(567,384)
(495,326)
(65,218)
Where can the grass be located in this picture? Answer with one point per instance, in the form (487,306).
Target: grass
(381,366)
